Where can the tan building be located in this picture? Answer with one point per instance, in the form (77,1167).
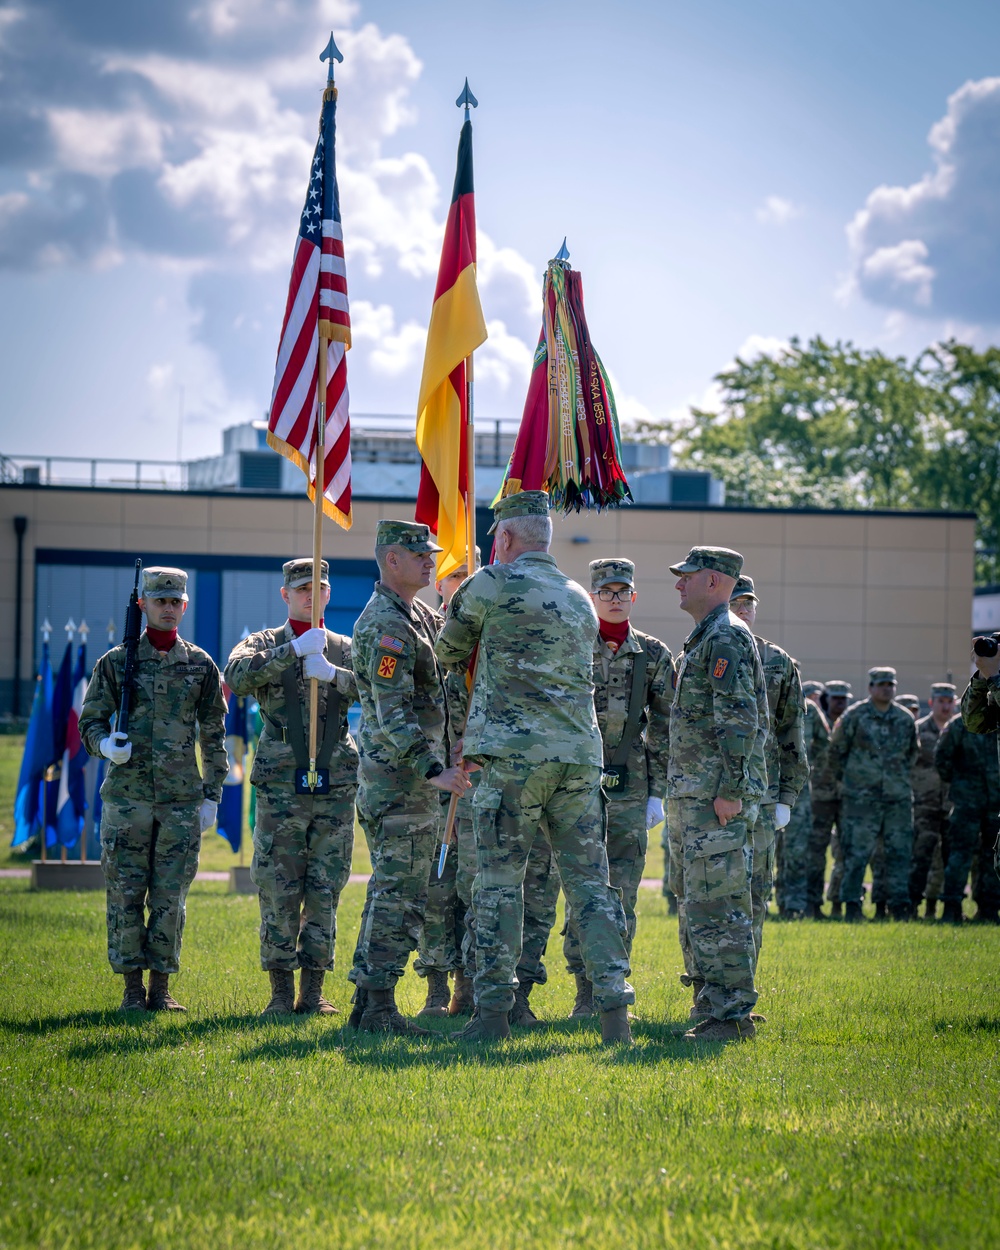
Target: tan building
(841,591)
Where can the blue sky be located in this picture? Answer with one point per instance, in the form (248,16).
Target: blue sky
(728,175)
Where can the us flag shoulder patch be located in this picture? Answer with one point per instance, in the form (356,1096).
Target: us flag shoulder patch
(387,667)
(388,643)
(720,669)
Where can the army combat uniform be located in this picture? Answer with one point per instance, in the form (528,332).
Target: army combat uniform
(967,765)
(871,756)
(150,829)
(302,842)
(826,825)
(718,727)
(798,834)
(533,728)
(981,715)
(930,815)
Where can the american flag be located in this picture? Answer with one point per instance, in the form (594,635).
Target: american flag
(317,305)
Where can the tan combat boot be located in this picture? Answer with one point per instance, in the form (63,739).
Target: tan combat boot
(159,997)
(712,1030)
(485,1026)
(134,995)
(584,1005)
(521,1014)
(381,1015)
(614,1027)
(438,995)
(310,1001)
(282,994)
(463,1000)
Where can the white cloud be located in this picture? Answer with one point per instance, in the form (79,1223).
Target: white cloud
(776,211)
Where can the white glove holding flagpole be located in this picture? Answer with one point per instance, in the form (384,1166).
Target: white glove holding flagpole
(312,642)
(116,748)
(318,666)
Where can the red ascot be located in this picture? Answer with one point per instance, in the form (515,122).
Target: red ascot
(299,627)
(614,633)
(161,639)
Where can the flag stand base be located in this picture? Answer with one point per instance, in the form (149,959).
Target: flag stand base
(54,874)
(239,881)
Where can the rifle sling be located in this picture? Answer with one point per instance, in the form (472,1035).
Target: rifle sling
(636,707)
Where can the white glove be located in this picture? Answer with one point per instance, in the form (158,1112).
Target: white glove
(312,642)
(782,815)
(206,815)
(319,666)
(654,812)
(116,748)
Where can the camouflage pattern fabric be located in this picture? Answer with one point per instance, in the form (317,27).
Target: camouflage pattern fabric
(514,799)
(967,765)
(627,842)
(404,733)
(763,842)
(871,756)
(149,853)
(302,844)
(718,726)
(825,797)
(540,892)
(795,864)
(981,715)
(150,835)
(930,814)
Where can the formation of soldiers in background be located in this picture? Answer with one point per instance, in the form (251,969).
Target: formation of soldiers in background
(556,755)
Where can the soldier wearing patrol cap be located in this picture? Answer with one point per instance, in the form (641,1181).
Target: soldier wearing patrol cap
(930,803)
(633,687)
(834,700)
(533,728)
(302,838)
(405,765)
(156,805)
(716,781)
(872,750)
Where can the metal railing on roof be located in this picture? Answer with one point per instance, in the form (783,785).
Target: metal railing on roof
(96,471)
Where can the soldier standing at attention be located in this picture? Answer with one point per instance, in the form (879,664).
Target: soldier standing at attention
(633,688)
(156,805)
(533,728)
(302,839)
(930,803)
(817,739)
(834,701)
(872,749)
(981,709)
(787,773)
(405,751)
(716,781)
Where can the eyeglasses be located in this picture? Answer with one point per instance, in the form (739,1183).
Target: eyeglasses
(615,596)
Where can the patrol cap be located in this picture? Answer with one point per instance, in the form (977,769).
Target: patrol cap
(409,534)
(943,689)
(877,676)
(523,503)
(813,687)
(607,572)
(839,689)
(744,589)
(160,583)
(909,701)
(719,559)
(299,572)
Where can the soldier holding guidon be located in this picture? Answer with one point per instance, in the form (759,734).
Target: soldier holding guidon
(303,838)
(156,805)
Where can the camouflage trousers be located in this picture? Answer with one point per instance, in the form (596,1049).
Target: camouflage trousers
(762,840)
(791,855)
(665,889)
(971,836)
(825,834)
(927,866)
(302,847)
(514,800)
(862,823)
(627,842)
(710,870)
(402,826)
(149,853)
(443,933)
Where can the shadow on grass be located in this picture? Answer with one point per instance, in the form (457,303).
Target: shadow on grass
(979,1024)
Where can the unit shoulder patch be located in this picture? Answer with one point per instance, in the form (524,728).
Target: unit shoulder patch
(723,666)
(387,667)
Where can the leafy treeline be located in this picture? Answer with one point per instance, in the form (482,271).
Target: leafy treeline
(829,425)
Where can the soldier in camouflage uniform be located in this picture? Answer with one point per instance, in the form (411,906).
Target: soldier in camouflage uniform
(834,702)
(634,721)
(872,750)
(880,895)
(533,728)
(156,806)
(405,754)
(716,781)
(967,765)
(816,733)
(981,709)
(787,773)
(302,842)
(930,803)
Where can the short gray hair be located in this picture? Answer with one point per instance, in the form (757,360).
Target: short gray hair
(382,552)
(534,533)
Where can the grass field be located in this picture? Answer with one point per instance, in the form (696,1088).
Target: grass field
(865,1113)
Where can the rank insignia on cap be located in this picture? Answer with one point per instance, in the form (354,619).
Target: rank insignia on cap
(388,643)
(387,666)
(720,669)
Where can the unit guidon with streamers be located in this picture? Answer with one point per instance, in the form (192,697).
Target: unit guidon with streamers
(317,306)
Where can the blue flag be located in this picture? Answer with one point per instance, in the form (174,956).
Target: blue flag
(72,805)
(29,810)
(62,700)
(230,818)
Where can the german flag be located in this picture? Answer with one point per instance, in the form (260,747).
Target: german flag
(456,329)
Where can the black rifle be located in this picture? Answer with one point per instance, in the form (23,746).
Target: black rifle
(130,641)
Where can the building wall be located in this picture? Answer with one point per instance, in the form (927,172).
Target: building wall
(840,591)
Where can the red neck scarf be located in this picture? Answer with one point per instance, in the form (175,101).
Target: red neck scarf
(162,639)
(614,635)
(300,627)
